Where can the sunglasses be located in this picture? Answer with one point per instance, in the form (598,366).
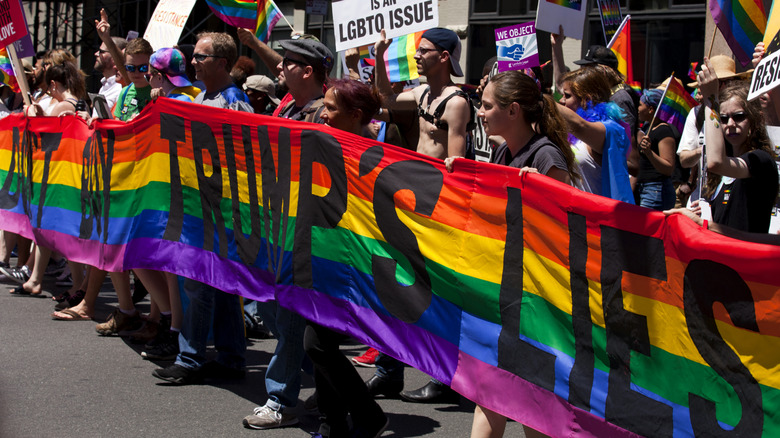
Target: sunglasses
(286,61)
(737,117)
(143,68)
(200,57)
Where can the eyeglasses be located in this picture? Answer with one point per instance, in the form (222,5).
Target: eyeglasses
(422,50)
(143,68)
(101,51)
(737,117)
(200,57)
(286,61)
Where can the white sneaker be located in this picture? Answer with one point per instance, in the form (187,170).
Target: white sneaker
(264,417)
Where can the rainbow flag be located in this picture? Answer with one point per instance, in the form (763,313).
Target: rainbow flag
(569,312)
(636,87)
(237,13)
(621,47)
(268,14)
(7,75)
(676,104)
(692,70)
(399,58)
(742,23)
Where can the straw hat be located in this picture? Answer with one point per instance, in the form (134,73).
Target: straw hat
(725,69)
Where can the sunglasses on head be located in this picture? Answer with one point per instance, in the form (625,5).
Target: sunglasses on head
(737,117)
(143,68)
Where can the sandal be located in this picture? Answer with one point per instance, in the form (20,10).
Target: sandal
(22,292)
(61,297)
(71,300)
(72,315)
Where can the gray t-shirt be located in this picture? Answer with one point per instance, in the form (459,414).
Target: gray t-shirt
(539,153)
(230,97)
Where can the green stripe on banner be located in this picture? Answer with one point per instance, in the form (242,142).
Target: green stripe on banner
(698,379)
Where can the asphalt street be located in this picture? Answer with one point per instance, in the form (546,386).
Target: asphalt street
(61,379)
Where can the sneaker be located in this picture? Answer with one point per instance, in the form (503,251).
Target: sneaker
(367,359)
(178,375)
(145,334)
(65,282)
(18,275)
(118,322)
(264,417)
(54,269)
(164,347)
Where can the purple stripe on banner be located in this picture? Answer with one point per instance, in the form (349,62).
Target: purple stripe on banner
(188,261)
(406,342)
(488,385)
(718,15)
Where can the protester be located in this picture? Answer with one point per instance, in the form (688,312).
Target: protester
(304,70)
(657,155)
(262,94)
(746,196)
(514,108)
(349,106)
(168,75)
(599,137)
(104,64)
(213,56)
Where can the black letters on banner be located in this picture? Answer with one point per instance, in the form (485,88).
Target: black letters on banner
(248,248)
(50,142)
(210,187)
(515,355)
(626,331)
(172,129)
(708,282)
(97,162)
(315,211)
(581,376)
(406,303)
(19,154)
(276,195)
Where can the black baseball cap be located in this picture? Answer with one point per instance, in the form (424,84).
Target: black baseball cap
(599,55)
(449,41)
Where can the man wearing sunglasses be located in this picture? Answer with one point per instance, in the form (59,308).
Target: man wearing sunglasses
(104,64)
(135,96)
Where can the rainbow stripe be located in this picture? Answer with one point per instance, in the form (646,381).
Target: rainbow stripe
(676,105)
(268,14)
(7,76)
(572,313)
(571,4)
(237,13)
(742,23)
(399,58)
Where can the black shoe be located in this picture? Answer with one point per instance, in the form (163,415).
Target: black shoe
(165,346)
(432,392)
(215,370)
(179,375)
(378,386)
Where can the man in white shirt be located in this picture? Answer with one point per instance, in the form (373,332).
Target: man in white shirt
(104,64)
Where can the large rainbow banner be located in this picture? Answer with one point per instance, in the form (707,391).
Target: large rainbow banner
(574,314)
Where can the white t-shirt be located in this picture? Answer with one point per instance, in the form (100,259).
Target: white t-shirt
(590,170)
(110,89)
(691,138)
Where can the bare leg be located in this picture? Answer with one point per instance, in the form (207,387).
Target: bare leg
(154,281)
(87,306)
(35,284)
(23,246)
(533,433)
(121,282)
(487,424)
(77,274)
(177,314)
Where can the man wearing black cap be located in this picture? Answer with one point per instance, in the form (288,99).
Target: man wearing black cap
(442,132)
(304,70)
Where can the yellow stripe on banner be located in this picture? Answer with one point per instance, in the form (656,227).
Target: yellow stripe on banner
(666,324)
(482,257)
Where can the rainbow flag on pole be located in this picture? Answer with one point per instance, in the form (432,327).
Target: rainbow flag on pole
(621,47)
(7,75)
(676,104)
(268,14)
(260,15)
(742,23)
(399,58)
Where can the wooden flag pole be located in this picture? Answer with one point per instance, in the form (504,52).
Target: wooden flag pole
(21,78)
(655,113)
(712,41)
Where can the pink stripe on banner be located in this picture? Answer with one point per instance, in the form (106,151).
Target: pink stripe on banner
(539,408)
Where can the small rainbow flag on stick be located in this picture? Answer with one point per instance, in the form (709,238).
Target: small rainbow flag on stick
(399,58)
(742,23)
(268,14)
(7,76)
(621,47)
(260,15)
(675,105)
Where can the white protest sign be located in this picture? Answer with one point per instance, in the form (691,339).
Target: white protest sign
(167,22)
(551,15)
(359,22)
(766,76)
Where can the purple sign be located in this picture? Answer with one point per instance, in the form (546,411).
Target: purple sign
(516,47)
